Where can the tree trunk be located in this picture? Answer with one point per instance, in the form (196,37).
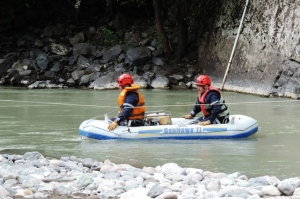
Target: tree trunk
(76,13)
(77,7)
(160,28)
(112,6)
(182,31)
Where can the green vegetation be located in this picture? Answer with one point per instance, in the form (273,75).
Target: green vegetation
(109,37)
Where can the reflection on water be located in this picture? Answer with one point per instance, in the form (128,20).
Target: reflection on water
(50,126)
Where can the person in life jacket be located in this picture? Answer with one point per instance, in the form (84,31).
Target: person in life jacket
(131,103)
(210,102)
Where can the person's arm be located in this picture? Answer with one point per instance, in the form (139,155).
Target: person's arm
(213,99)
(130,102)
(193,112)
(196,109)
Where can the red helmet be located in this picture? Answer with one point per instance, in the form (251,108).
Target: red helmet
(203,80)
(125,79)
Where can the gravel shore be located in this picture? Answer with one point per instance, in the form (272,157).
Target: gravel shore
(34,176)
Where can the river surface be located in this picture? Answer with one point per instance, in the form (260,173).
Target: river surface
(47,121)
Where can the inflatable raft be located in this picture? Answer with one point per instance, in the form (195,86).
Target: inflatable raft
(161,126)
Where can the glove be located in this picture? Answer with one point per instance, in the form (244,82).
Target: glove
(204,123)
(112,126)
(187,116)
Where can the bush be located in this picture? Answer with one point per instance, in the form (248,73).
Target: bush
(109,37)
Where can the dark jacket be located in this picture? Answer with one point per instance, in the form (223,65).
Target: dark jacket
(131,100)
(212,97)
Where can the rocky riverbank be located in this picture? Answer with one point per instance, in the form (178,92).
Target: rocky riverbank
(34,176)
(63,56)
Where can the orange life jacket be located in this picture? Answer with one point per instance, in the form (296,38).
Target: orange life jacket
(205,107)
(139,110)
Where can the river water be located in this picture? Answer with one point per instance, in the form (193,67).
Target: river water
(47,121)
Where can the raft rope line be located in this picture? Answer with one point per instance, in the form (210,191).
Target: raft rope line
(114,108)
(174,105)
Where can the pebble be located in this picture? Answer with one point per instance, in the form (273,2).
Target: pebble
(34,176)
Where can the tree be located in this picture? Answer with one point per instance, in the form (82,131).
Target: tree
(112,7)
(77,6)
(160,28)
(182,29)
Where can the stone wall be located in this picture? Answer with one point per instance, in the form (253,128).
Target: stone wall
(267,56)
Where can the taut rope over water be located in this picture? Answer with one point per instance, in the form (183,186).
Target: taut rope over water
(165,105)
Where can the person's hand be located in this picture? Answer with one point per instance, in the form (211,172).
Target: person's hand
(112,126)
(187,116)
(204,123)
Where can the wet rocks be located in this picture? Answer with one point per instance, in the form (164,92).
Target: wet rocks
(78,58)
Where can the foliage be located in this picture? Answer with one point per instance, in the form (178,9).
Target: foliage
(109,36)
(9,10)
(139,2)
(28,2)
(77,4)
(6,16)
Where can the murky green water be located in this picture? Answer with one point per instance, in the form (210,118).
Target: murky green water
(47,121)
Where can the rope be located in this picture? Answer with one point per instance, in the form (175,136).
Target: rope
(173,105)
(48,103)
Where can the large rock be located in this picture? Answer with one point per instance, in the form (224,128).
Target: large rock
(84,49)
(42,61)
(267,43)
(108,81)
(4,66)
(160,82)
(139,55)
(112,54)
(59,49)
